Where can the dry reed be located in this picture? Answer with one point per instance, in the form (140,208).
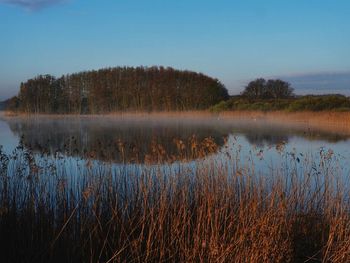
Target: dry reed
(64,209)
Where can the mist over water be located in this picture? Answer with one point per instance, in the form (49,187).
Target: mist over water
(101,138)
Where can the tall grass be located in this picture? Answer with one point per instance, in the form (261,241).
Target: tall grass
(64,209)
(338,122)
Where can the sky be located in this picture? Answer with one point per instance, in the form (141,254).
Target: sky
(304,42)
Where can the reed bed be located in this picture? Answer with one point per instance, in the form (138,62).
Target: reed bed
(323,120)
(55,208)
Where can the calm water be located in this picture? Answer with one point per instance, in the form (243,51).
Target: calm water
(265,144)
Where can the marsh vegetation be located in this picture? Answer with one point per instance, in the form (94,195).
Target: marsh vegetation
(246,194)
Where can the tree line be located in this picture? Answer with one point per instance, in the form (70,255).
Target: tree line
(268,89)
(278,95)
(119,89)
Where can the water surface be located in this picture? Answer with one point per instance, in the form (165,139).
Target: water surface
(131,139)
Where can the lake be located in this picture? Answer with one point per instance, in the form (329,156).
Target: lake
(140,182)
(124,140)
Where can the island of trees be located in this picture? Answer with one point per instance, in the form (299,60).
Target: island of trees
(158,89)
(119,89)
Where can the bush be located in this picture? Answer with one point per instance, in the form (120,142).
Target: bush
(221,106)
(304,103)
(319,103)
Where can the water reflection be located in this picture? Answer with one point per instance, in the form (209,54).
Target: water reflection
(153,139)
(118,140)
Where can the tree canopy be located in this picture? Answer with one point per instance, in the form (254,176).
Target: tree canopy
(268,89)
(119,89)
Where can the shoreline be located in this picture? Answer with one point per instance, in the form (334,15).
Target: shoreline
(338,122)
(324,120)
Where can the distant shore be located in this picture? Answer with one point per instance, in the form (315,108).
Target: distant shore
(324,120)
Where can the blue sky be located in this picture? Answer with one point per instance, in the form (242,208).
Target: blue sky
(304,42)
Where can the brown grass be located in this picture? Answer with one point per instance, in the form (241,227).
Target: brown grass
(323,120)
(54,209)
